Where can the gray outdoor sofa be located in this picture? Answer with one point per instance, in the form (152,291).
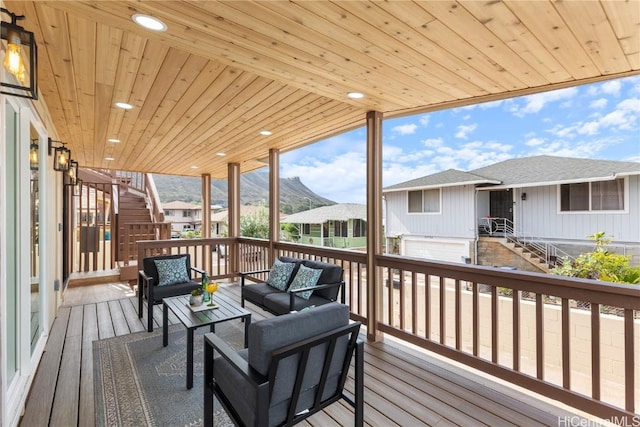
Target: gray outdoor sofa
(280,301)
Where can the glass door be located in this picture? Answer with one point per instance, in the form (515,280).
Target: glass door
(11,250)
(34,228)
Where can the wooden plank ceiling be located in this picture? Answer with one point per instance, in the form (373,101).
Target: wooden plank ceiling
(224,71)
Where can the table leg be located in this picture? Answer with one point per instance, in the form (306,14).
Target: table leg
(190,358)
(212,328)
(165,325)
(246,330)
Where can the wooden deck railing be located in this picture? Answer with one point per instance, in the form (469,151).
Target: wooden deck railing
(549,334)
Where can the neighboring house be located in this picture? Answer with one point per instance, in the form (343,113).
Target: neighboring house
(340,226)
(555,200)
(220,219)
(182,216)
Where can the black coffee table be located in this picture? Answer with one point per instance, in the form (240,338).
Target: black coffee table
(227,310)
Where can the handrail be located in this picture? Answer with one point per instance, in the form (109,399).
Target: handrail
(545,251)
(155,206)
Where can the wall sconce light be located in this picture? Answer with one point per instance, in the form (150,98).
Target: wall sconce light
(18,40)
(33,154)
(523,196)
(62,156)
(73,172)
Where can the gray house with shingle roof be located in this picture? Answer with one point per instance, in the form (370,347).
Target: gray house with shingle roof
(343,225)
(558,200)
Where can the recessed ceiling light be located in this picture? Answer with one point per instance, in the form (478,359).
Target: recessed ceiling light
(194,167)
(113,140)
(221,154)
(149,22)
(109,158)
(124,105)
(265,132)
(355,95)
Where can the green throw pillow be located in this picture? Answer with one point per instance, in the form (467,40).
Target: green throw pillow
(172,271)
(280,274)
(304,278)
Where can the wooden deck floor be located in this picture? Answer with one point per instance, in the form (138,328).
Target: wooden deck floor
(403,386)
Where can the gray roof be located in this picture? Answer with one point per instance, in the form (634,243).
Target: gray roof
(339,212)
(442,179)
(530,171)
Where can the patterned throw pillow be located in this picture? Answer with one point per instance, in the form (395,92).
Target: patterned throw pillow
(304,278)
(280,274)
(172,271)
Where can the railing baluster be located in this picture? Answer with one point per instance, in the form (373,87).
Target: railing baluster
(443,310)
(539,337)
(515,306)
(566,345)
(427,304)
(458,316)
(414,302)
(494,324)
(595,351)
(476,320)
(629,363)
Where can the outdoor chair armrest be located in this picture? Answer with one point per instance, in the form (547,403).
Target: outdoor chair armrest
(198,270)
(243,275)
(237,362)
(293,292)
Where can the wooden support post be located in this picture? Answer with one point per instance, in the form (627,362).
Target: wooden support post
(233,198)
(274,202)
(205,229)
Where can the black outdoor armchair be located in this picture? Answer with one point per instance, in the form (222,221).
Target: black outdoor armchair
(164,276)
(294,366)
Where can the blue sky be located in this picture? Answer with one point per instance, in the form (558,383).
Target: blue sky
(597,121)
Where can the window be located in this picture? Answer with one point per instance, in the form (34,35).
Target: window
(169,213)
(186,214)
(359,228)
(306,229)
(340,228)
(424,201)
(592,196)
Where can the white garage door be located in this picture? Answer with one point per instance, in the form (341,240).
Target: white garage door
(436,249)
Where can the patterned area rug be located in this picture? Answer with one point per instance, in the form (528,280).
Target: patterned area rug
(139,382)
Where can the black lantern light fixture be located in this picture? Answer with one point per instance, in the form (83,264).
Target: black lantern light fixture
(20,44)
(61,157)
(33,154)
(73,172)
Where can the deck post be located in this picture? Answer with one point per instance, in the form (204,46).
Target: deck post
(233,200)
(374,222)
(205,230)
(274,202)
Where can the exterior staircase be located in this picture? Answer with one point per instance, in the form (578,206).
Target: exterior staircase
(138,217)
(132,210)
(537,252)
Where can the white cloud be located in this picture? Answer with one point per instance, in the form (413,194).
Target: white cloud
(433,142)
(612,87)
(406,129)
(424,120)
(492,104)
(465,130)
(598,103)
(535,103)
(534,142)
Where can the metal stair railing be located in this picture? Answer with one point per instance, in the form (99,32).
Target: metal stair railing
(546,252)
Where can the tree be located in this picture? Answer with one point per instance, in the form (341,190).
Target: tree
(600,264)
(255,224)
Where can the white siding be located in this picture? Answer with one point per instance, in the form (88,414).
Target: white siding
(539,216)
(456,217)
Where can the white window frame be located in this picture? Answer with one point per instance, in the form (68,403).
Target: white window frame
(625,195)
(438,212)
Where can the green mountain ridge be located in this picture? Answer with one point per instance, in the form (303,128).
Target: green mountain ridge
(254,190)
